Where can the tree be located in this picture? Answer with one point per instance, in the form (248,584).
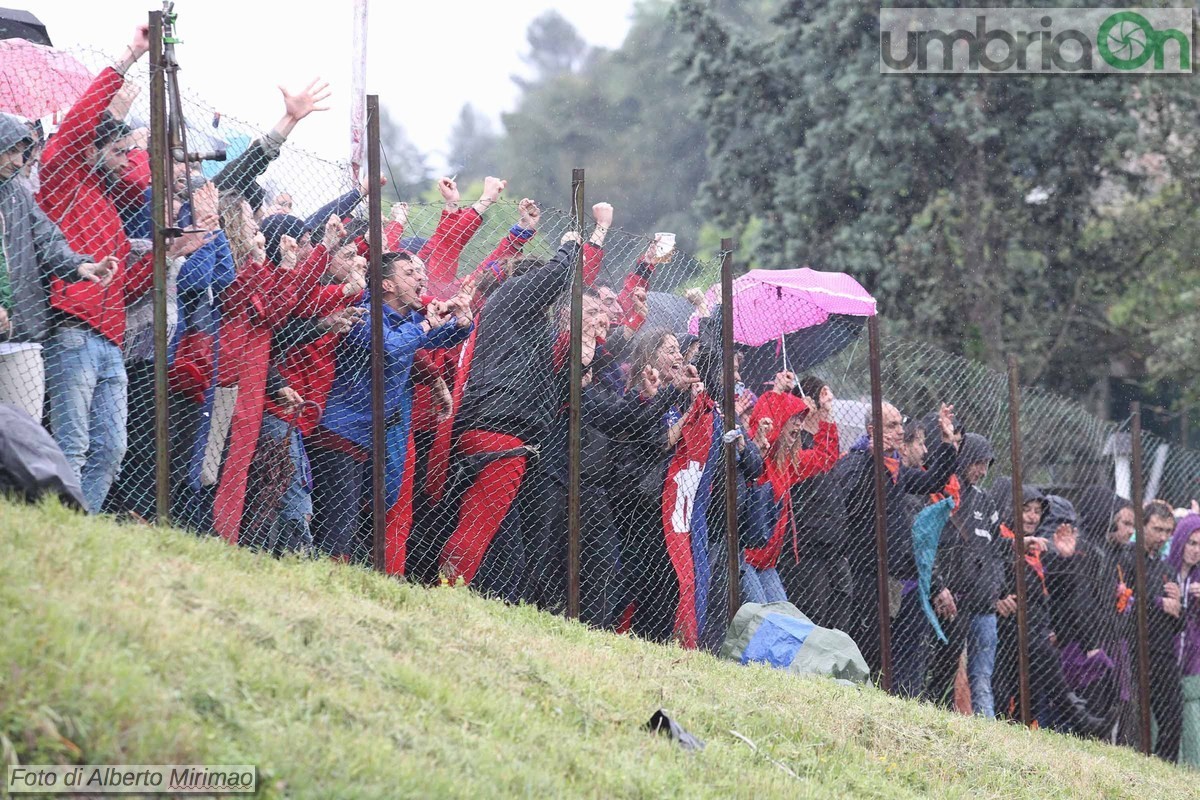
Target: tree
(555,48)
(622,117)
(965,204)
(404,164)
(473,145)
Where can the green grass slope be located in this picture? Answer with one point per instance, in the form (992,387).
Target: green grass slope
(133,645)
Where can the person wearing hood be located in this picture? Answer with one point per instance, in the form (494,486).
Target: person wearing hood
(1107,527)
(1050,693)
(1183,561)
(32,250)
(855,473)
(813,565)
(788,463)
(1092,609)
(971,564)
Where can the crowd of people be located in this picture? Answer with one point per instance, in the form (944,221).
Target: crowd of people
(269,365)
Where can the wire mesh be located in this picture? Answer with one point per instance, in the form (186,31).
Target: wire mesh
(269,407)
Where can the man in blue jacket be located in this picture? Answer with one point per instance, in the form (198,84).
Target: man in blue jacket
(341,447)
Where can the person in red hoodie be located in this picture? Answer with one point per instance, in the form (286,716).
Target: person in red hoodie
(787,463)
(85,373)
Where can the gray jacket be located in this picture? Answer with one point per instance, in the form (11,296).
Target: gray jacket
(34,247)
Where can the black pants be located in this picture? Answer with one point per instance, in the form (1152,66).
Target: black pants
(945,658)
(1166,702)
(820,586)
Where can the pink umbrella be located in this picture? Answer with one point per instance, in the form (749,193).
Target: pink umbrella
(36,81)
(792,319)
(771,303)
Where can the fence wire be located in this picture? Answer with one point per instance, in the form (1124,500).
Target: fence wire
(269,404)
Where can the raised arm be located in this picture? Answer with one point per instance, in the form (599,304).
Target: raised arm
(455,230)
(240,174)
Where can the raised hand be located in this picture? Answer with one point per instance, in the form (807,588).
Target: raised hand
(289,251)
(640,302)
(946,422)
(492,189)
(603,214)
(186,244)
(335,231)
(531,215)
(300,105)
(399,213)
(784,381)
(449,191)
(204,207)
(259,253)
(762,437)
(356,281)
(571,236)
(650,382)
(1065,540)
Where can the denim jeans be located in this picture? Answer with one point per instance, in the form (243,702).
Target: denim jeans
(761,585)
(85,375)
(981,661)
(291,531)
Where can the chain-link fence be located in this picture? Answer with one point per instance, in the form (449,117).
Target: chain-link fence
(264,328)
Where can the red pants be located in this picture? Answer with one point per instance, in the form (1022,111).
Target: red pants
(484,504)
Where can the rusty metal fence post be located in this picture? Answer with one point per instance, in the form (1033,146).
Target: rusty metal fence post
(1140,589)
(885,620)
(375,270)
(575,429)
(160,179)
(728,401)
(1014,422)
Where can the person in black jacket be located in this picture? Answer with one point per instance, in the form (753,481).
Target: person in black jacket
(508,409)
(1051,697)
(855,473)
(1165,623)
(970,563)
(813,566)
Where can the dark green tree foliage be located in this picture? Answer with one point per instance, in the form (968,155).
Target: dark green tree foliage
(623,115)
(966,204)
(555,48)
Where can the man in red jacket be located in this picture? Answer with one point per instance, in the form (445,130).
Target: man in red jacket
(85,373)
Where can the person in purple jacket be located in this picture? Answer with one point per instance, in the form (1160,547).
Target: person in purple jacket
(1184,561)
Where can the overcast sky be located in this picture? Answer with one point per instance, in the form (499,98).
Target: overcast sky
(425,59)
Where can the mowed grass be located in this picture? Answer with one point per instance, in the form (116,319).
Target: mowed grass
(125,644)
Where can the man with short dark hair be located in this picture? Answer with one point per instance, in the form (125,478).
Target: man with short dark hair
(1165,621)
(85,372)
(341,445)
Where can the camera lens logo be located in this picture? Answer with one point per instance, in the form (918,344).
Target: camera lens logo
(1127,40)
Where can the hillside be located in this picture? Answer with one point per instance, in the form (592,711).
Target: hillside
(132,645)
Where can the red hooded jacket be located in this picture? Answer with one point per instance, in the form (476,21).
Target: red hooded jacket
(73,195)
